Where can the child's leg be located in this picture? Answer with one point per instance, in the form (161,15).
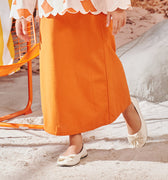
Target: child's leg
(132,119)
(137,129)
(75,144)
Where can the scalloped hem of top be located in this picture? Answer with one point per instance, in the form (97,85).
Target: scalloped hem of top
(84,12)
(29,18)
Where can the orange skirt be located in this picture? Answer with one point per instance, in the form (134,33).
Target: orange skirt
(83,84)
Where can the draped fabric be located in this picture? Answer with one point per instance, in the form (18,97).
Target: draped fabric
(6,42)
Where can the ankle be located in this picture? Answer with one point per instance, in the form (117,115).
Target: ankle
(129,110)
(132,119)
(76,140)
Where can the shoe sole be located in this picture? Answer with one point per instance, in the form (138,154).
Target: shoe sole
(74,164)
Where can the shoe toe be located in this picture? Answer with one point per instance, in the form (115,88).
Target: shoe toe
(72,159)
(137,141)
(68,160)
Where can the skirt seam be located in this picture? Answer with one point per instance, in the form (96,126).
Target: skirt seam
(106,75)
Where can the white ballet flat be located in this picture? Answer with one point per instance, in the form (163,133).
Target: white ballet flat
(72,159)
(138,139)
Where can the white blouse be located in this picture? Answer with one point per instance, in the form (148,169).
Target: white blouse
(25,8)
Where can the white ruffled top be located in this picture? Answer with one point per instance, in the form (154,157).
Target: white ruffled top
(25,8)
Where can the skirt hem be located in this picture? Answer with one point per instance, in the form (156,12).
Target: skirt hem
(65,133)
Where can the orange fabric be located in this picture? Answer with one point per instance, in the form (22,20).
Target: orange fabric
(46,7)
(70,10)
(31,54)
(14,2)
(83,85)
(23,13)
(88,5)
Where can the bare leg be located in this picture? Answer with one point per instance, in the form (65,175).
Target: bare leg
(132,119)
(75,145)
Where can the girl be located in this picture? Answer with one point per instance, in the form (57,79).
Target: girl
(83,85)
